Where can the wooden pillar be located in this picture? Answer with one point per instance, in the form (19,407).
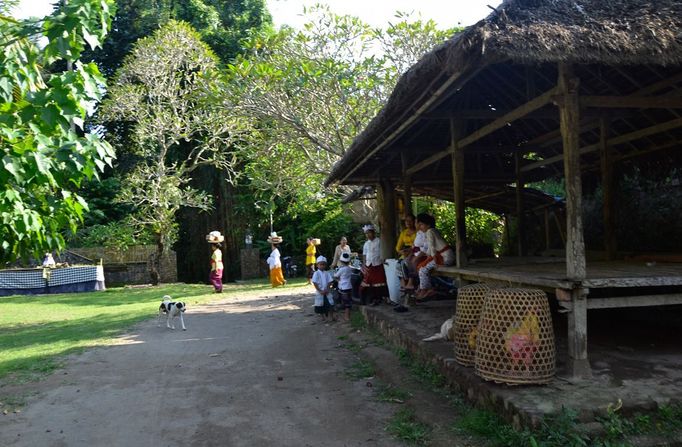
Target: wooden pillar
(407,185)
(569,117)
(387,218)
(607,190)
(456,129)
(520,220)
(547,239)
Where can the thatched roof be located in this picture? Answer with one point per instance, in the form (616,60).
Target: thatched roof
(485,64)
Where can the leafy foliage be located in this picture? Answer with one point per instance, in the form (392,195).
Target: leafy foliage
(484,228)
(306,94)
(161,91)
(46,152)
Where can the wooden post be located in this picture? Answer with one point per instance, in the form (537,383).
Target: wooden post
(456,128)
(387,212)
(520,226)
(607,190)
(407,184)
(569,118)
(547,239)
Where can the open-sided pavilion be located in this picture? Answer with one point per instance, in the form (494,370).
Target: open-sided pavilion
(541,88)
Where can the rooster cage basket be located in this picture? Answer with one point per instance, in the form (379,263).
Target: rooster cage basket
(515,343)
(467,315)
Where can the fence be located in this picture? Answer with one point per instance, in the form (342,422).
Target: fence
(131,266)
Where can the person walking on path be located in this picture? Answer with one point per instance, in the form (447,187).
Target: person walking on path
(343,247)
(216,276)
(310,253)
(274,262)
(322,280)
(374,275)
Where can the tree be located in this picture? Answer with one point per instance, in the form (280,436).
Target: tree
(46,152)
(161,89)
(308,93)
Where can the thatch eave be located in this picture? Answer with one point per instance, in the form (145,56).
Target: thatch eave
(529,32)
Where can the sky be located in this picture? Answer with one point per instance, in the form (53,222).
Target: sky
(446,13)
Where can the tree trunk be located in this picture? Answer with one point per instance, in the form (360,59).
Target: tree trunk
(155,262)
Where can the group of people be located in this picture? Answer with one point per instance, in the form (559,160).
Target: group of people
(420,248)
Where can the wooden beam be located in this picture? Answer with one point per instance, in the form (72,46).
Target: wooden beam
(636,102)
(608,208)
(407,184)
(410,115)
(428,161)
(641,133)
(635,301)
(456,127)
(387,213)
(578,363)
(522,110)
(520,221)
(569,112)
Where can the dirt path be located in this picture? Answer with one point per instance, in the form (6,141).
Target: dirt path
(254,371)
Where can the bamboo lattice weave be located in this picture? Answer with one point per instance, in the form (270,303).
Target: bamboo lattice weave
(515,343)
(470,301)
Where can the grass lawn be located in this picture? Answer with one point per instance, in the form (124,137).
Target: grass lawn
(37,330)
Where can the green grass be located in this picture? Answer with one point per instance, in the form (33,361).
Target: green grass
(404,426)
(360,370)
(37,331)
(390,393)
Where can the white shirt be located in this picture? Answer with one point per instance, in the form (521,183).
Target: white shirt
(343,274)
(372,252)
(420,241)
(322,278)
(436,243)
(273,260)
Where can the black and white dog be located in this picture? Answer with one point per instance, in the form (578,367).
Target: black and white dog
(171,309)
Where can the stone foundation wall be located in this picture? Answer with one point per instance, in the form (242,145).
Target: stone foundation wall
(130,266)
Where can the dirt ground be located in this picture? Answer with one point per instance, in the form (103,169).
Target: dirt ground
(249,371)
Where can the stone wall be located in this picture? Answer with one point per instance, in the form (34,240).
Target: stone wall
(130,266)
(251,264)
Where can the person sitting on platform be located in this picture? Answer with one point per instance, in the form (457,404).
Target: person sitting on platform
(438,253)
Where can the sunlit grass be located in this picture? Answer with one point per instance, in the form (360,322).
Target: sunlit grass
(37,330)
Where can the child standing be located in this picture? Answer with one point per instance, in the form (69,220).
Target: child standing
(310,258)
(322,279)
(343,274)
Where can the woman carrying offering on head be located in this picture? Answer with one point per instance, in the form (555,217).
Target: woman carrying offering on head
(343,247)
(274,263)
(438,253)
(216,276)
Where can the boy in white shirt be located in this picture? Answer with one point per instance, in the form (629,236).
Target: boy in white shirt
(322,279)
(343,274)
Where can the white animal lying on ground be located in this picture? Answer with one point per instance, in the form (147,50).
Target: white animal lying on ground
(172,309)
(444,333)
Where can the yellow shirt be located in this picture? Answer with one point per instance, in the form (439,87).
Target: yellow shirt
(310,254)
(217,260)
(405,239)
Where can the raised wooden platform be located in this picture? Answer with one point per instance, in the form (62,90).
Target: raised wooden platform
(608,284)
(550,273)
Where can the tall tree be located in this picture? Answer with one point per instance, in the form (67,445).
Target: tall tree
(46,153)
(161,90)
(223,25)
(308,93)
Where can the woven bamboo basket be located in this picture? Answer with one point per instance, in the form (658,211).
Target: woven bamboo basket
(467,315)
(515,343)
